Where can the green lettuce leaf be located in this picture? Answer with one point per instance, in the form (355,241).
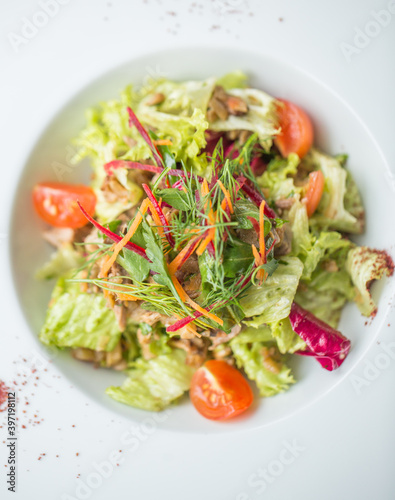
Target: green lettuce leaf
(234,80)
(272,301)
(299,221)
(251,360)
(327,244)
(250,334)
(179,98)
(276,177)
(260,118)
(365,265)
(187,133)
(153,385)
(287,340)
(325,294)
(76,319)
(331,212)
(65,259)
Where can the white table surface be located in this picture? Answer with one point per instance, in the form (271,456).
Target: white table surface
(351,454)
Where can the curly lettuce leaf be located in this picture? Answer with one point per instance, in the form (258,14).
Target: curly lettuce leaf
(179,98)
(250,359)
(76,319)
(233,80)
(155,384)
(65,259)
(287,340)
(272,301)
(324,246)
(325,294)
(299,221)
(276,177)
(260,118)
(365,265)
(250,334)
(332,212)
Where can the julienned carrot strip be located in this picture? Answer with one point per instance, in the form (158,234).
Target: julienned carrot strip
(162,142)
(256,255)
(126,297)
(262,247)
(185,253)
(118,247)
(207,205)
(155,207)
(203,245)
(186,298)
(227,196)
(157,221)
(261,275)
(114,237)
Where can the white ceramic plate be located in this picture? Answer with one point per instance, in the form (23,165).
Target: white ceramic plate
(337,130)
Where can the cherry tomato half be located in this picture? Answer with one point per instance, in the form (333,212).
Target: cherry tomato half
(56,203)
(314,191)
(219,391)
(296,134)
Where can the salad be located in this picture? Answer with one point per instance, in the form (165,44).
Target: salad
(211,245)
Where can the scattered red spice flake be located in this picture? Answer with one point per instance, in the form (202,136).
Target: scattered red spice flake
(3,395)
(23,426)
(77,454)
(73,425)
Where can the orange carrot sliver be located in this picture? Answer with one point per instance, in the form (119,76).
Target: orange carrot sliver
(186,298)
(262,246)
(126,297)
(118,247)
(203,245)
(227,196)
(176,263)
(163,142)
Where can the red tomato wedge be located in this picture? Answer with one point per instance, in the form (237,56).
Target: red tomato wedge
(219,391)
(296,134)
(314,191)
(56,203)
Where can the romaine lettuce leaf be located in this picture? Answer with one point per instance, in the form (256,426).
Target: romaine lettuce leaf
(365,265)
(76,319)
(153,385)
(250,359)
(260,118)
(65,259)
(272,301)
